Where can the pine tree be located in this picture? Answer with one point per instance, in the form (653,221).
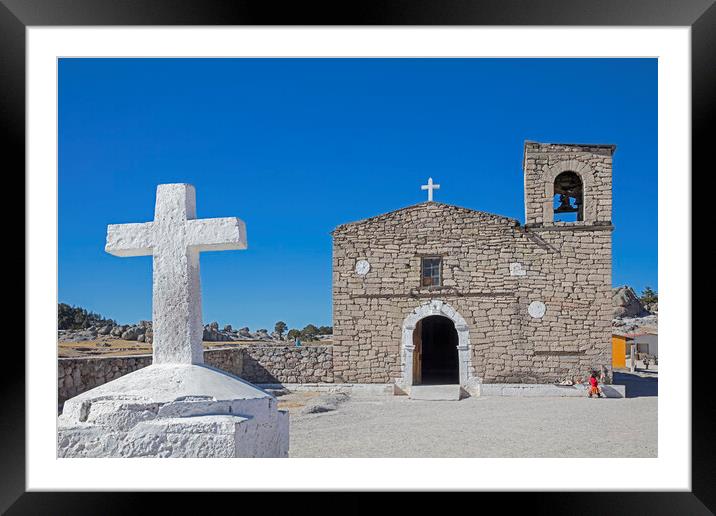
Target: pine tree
(280,328)
(648,296)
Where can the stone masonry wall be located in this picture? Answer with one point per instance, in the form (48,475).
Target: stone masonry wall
(77,375)
(287,364)
(567,267)
(369,311)
(570,271)
(253,363)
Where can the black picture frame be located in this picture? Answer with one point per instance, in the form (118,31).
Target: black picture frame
(700,15)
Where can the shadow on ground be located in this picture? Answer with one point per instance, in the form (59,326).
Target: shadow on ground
(637,386)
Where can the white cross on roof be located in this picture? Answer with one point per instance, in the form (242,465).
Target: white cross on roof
(430,187)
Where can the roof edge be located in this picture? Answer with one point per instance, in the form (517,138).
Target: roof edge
(424,203)
(611,146)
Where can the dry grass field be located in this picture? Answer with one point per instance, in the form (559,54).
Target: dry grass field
(113,347)
(102,347)
(294,401)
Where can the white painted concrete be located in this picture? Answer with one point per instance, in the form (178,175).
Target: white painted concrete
(174,239)
(647,344)
(141,415)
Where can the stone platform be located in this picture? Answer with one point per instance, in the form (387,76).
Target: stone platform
(177,410)
(547,390)
(485,389)
(352,389)
(435,392)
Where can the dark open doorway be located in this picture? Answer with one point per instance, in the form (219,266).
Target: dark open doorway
(438,349)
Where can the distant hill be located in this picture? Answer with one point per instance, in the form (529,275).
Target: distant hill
(75,324)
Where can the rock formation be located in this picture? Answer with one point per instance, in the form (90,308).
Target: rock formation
(143,332)
(626,303)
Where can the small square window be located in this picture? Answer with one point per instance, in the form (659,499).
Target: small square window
(430,275)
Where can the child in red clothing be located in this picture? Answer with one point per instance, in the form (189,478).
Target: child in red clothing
(594,385)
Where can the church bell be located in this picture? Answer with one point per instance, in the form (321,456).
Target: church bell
(565,206)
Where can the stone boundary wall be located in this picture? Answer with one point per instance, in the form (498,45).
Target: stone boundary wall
(254,363)
(287,364)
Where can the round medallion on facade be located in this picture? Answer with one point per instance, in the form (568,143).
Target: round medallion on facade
(362,267)
(537,309)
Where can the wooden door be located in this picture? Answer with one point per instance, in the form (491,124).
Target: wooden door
(418,354)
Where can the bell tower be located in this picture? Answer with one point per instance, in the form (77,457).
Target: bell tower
(567,184)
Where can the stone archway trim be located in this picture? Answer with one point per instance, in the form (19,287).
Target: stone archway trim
(436,307)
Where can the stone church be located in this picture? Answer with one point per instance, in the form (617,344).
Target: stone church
(440,294)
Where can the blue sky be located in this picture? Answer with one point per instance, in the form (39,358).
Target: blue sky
(296,147)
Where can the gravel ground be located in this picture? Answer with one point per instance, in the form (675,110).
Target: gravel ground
(483,427)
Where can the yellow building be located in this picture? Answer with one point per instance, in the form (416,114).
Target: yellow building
(619,348)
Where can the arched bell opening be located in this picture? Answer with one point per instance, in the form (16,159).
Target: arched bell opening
(568,197)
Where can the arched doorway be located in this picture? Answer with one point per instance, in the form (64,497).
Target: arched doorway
(466,374)
(435,354)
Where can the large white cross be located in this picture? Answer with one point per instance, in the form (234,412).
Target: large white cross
(430,187)
(174,239)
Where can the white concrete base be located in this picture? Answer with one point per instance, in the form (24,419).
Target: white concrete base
(546,390)
(435,392)
(175,410)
